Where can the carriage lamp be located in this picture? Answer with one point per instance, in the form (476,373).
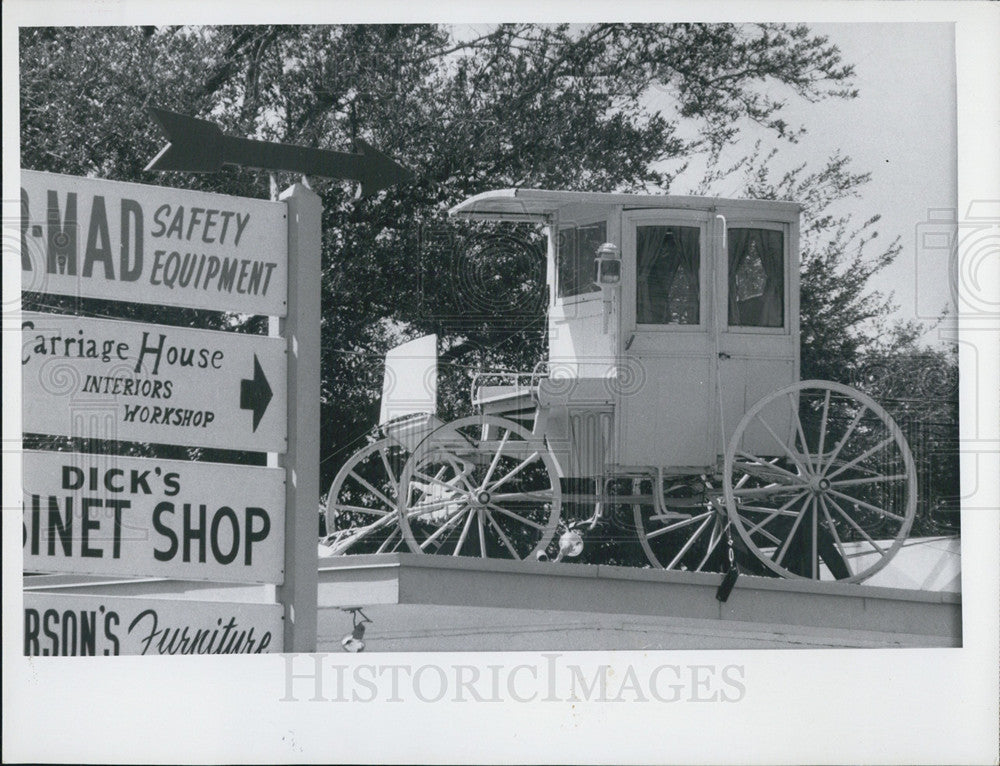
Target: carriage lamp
(608,275)
(608,265)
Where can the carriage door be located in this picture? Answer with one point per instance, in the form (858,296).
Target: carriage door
(665,384)
(757,281)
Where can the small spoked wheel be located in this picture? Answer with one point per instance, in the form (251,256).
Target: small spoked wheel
(361,514)
(687,531)
(481,486)
(819,483)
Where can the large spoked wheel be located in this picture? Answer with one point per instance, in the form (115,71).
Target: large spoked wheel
(820,483)
(687,531)
(480,486)
(361,514)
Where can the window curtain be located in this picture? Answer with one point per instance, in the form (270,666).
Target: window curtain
(690,255)
(661,251)
(739,249)
(772,256)
(769,245)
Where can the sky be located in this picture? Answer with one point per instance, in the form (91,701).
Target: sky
(902,129)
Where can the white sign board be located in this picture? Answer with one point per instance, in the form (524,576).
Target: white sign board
(106,379)
(92,238)
(87,626)
(106,514)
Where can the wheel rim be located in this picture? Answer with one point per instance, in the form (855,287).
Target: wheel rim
(482,486)
(820,483)
(361,506)
(683,534)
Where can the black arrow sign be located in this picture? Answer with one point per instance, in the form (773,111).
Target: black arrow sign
(255,394)
(199,146)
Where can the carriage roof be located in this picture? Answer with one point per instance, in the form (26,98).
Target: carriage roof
(538,204)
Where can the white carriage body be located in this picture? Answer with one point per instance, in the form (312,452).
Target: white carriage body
(669,404)
(649,381)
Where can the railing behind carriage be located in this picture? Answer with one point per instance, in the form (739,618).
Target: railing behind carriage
(920,392)
(509,392)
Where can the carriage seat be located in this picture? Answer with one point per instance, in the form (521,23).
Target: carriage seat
(499,399)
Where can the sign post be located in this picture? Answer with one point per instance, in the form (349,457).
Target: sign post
(301,330)
(153,383)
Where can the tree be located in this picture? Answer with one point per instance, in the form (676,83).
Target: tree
(548,106)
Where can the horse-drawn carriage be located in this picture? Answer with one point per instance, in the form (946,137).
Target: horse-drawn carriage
(670,407)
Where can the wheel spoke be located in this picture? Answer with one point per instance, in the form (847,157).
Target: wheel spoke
(513,515)
(667,515)
(341,507)
(768,491)
(772,514)
(869,506)
(780,441)
(822,429)
(482,533)
(439,482)
(388,469)
(500,532)
(814,555)
(713,542)
(846,436)
(836,537)
(461,472)
(465,533)
(514,471)
(691,540)
(542,496)
(385,543)
(863,456)
(422,508)
(496,458)
(760,530)
(419,512)
(868,480)
(858,528)
(364,482)
(764,469)
(791,534)
(442,529)
(688,521)
(801,432)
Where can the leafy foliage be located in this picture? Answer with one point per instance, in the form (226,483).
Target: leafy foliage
(603,107)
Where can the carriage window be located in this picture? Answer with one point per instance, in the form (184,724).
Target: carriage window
(756,278)
(668,259)
(577,249)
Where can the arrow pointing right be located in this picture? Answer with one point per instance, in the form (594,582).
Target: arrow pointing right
(255,394)
(199,146)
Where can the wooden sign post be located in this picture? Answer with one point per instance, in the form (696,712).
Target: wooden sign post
(152,383)
(301,330)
